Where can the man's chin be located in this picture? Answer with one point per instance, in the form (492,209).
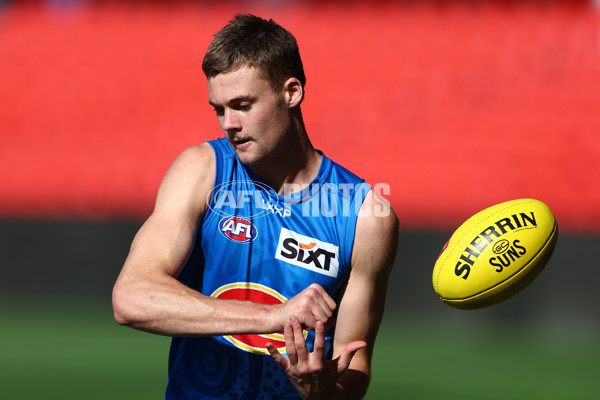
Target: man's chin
(246,159)
(250,158)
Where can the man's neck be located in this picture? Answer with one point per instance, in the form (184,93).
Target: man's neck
(292,168)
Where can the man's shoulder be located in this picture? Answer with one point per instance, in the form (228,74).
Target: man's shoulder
(193,165)
(187,183)
(194,155)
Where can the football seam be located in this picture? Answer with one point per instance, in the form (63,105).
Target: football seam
(443,263)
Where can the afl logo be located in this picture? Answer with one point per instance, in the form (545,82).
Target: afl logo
(238,229)
(258,294)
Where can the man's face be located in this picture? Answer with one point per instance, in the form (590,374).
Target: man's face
(253,117)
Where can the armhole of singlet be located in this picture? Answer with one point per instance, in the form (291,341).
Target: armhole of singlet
(360,194)
(217,149)
(189,274)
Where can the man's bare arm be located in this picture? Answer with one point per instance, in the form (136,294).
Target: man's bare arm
(362,306)
(348,374)
(147,295)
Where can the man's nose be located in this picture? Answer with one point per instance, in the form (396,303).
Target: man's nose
(230,121)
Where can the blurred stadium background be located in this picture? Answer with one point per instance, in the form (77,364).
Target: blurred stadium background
(457,105)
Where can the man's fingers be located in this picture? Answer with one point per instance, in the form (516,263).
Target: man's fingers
(325,303)
(325,296)
(301,363)
(322,307)
(324,313)
(290,344)
(347,355)
(279,359)
(319,343)
(299,342)
(310,305)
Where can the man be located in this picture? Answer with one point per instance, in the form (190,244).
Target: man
(267,262)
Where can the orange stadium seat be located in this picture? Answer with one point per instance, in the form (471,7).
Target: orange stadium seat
(454,105)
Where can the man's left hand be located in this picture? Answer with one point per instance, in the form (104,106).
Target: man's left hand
(312,375)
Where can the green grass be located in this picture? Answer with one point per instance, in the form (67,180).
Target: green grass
(72,353)
(507,363)
(81,353)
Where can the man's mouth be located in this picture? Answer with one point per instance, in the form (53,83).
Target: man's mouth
(240,142)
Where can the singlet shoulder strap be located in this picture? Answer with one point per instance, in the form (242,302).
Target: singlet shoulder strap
(360,192)
(224,155)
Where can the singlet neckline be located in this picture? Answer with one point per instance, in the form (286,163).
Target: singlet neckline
(307,192)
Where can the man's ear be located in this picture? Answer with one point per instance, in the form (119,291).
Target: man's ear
(294,92)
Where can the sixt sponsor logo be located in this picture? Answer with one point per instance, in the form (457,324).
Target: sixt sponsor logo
(488,236)
(238,229)
(306,252)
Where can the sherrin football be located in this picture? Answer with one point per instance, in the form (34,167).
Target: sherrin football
(495,254)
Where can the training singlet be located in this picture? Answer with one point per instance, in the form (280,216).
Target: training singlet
(253,244)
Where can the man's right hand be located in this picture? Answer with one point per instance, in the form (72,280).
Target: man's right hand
(309,306)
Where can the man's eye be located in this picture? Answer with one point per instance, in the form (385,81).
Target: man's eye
(244,106)
(219,111)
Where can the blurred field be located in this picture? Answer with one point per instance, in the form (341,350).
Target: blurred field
(72,352)
(438,362)
(78,353)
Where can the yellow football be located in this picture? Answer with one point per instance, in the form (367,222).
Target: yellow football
(495,254)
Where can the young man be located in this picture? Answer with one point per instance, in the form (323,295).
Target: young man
(267,262)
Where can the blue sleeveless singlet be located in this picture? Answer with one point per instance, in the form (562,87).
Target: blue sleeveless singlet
(255,245)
